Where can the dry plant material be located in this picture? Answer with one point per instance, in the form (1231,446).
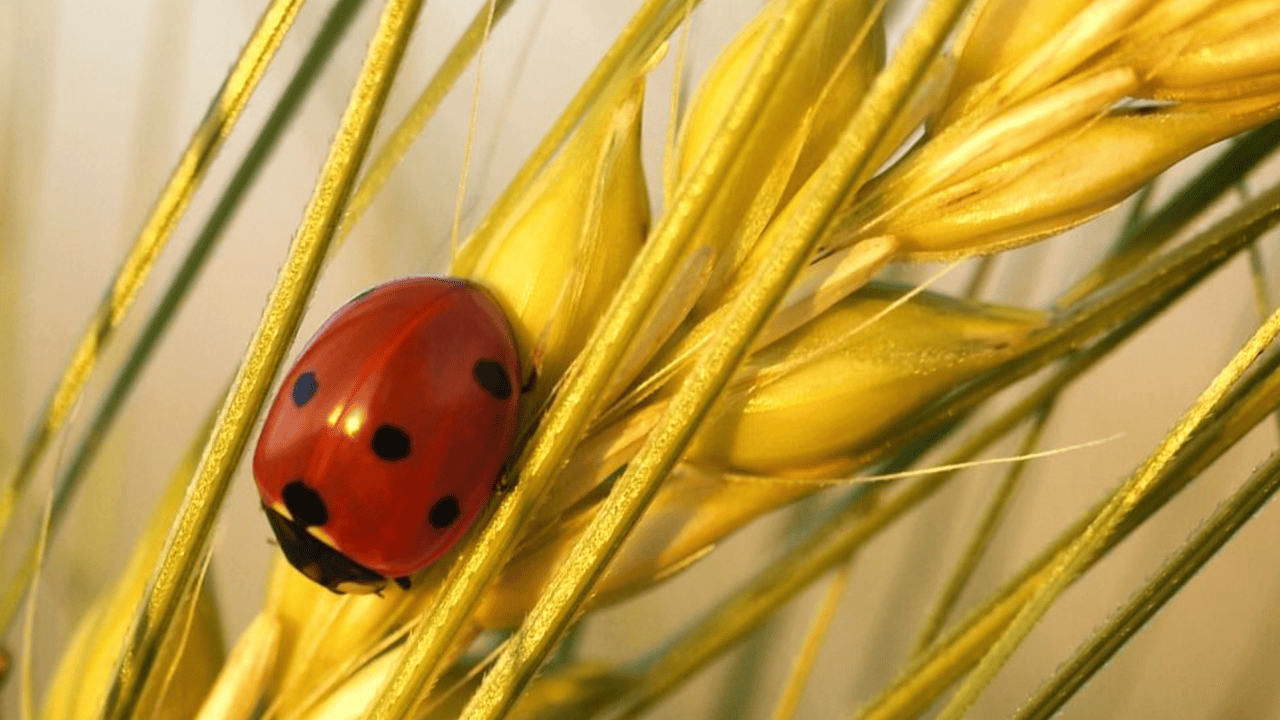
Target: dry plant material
(169,208)
(702,368)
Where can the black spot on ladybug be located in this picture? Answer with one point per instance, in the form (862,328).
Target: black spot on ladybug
(444,512)
(492,378)
(305,505)
(304,388)
(390,443)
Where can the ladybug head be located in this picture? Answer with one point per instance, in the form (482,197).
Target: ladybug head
(311,555)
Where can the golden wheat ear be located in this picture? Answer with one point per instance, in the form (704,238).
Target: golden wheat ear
(721,350)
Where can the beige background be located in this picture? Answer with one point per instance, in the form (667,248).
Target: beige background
(101,96)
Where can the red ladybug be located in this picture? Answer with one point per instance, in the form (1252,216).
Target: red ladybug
(389,433)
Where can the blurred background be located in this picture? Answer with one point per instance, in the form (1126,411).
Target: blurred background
(97,100)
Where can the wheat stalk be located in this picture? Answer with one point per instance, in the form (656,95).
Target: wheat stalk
(727,356)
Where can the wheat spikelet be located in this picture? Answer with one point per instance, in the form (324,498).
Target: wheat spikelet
(706,365)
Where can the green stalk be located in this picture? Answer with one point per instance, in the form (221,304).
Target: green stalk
(983,534)
(194,163)
(175,573)
(928,676)
(1144,236)
(1149,289)
(1080,555)
(1166,583)
(68,481)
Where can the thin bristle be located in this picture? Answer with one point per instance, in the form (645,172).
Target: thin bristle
(692,357)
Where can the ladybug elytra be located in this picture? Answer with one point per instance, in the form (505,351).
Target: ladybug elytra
(389,433)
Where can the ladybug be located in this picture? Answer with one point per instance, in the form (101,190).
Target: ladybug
(390,432)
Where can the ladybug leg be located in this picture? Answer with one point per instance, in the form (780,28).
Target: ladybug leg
(403,582)
(500,483)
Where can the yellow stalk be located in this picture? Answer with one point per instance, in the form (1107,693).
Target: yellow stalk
(794,687)
(828,545)
(565,419)
(1127,620)
(560,255)
(244,674)
(728,622)
(981,538)
(709,393)
(191,655)
(174,574)
(615,72)
(172,203)
(792,239)
(927,677)
(1072,561)
(406,132)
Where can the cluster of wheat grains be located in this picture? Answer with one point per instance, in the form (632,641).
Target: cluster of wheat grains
(747,483)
